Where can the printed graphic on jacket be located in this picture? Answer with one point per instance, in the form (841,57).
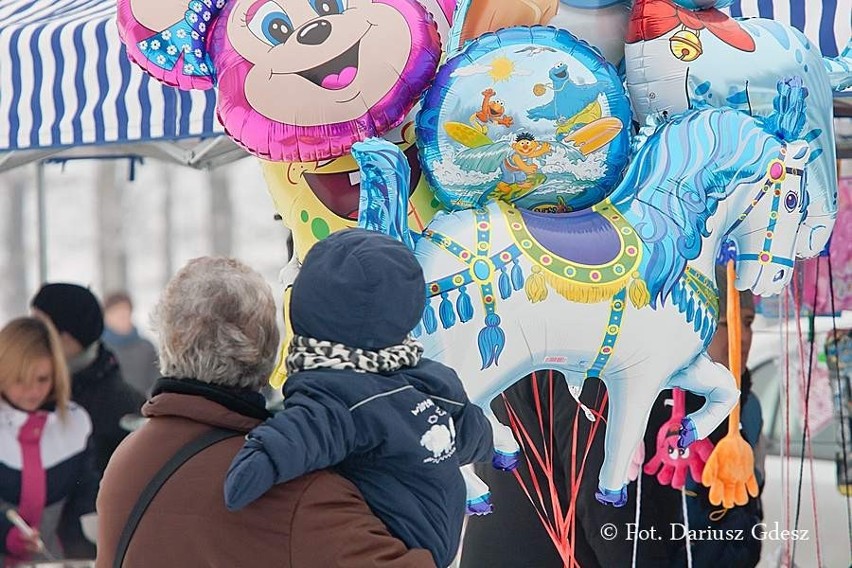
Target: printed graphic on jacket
(440,438)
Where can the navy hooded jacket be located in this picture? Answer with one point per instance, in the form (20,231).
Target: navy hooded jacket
(399,436)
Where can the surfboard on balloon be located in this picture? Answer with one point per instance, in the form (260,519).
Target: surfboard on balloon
(530,116)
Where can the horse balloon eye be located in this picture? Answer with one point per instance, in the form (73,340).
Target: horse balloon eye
(271,25)
(791,201)
(327,7)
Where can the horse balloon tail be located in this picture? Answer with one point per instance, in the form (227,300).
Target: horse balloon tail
(385,176)
(491,341)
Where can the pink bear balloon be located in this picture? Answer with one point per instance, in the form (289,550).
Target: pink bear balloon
(298,80)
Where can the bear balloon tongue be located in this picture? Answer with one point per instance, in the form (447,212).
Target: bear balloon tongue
(337,73)
(340,80)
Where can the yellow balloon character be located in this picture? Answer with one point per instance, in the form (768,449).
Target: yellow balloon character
(318,198)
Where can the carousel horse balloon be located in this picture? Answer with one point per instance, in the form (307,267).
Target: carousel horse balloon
(297,80)
(512,291)
(683,52)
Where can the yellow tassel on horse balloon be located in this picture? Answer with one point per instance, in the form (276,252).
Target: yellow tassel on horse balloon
(638,292)
(536,288)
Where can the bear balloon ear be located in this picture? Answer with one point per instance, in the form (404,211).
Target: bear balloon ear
(178,55)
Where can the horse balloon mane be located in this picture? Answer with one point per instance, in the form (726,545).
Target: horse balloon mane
(582,292)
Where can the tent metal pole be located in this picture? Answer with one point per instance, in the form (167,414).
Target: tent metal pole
(42,222)
(200,151)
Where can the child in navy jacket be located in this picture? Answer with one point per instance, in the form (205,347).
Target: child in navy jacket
(361,398)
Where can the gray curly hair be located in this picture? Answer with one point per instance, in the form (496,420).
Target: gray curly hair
(216,324)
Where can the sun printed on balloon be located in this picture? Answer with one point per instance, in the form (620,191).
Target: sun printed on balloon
(502,69)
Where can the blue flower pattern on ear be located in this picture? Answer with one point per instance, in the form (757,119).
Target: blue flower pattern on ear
(188,38)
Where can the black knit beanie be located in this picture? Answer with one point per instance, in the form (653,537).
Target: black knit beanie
(72,309)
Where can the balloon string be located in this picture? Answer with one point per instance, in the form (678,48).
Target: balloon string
(518,428)
(686,522)
(412,210)
(636,518)
(559,528)
(814,508)
(804,389)
(843,403)
(555,503)
(570,520)
(576,480)
(785,472)
(546,464)
(526,441)
(550,445)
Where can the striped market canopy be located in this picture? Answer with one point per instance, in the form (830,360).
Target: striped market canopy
(827,23)
(67,87)
(68,90)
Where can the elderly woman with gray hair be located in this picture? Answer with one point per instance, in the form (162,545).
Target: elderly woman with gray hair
(161,500)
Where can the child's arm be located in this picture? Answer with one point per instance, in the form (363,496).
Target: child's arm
(314,431)
(474,441)
(473,431)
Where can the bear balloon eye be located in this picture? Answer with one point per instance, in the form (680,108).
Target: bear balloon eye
(270,24)
(327,7)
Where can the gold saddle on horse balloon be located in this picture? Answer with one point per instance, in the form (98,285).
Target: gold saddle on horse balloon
(585,256)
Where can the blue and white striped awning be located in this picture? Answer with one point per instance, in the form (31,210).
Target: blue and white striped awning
(65,81)
(825,22)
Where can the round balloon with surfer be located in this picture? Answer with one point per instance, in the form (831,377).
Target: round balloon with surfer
(528,115)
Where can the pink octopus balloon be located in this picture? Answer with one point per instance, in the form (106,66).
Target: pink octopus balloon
(298,80)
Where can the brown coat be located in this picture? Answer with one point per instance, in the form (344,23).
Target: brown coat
(319,520)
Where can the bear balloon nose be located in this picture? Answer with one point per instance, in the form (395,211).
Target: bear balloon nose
(314,33)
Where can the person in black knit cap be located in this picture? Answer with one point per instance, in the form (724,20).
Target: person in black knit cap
(96,382)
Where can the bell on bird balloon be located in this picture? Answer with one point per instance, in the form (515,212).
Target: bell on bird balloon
(686,45)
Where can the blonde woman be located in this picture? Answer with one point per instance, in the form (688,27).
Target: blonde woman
(46,472)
